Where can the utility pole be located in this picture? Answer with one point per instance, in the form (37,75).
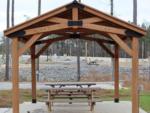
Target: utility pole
(135,11)
(12,12)
(112,7)
(37,61)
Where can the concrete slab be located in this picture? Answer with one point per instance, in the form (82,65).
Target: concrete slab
(101,107)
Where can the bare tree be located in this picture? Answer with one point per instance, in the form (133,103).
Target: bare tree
(7,42)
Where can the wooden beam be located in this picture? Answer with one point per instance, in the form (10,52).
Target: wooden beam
(58,20)
(65,21)
(121,43)
(116,74)
(115,20)
(134,83)
(35,20)
(15,75)
(45,29)
(33,71)
(91,20)
(105,29)
(75,15)
(106,49)
(29,43)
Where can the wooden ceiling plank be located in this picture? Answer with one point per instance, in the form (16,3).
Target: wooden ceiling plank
(121,43)
(29,43)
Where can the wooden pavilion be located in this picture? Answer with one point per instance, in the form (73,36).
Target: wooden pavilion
(75,21)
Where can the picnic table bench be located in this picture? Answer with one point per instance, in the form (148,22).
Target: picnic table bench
(60,93)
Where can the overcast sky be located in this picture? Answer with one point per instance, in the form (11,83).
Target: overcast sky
(122,9)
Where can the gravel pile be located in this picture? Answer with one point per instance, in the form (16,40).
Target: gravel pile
(66,70)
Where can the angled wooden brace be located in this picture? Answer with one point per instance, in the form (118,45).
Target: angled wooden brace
(58,20)
(91,20)
(43,49)
(29,43)
(121,43)
(106,49)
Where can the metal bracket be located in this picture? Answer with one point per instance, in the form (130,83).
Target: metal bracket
(75,23)
(74,35)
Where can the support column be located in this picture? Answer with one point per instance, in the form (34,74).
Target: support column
(116,74)
(135,98)
(15,75)
(33,70)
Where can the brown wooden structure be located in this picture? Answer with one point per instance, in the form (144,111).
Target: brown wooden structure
(71,21)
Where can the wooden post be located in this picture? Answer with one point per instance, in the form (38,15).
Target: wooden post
(116,74)
(135,48)
(33,69)
(15,75)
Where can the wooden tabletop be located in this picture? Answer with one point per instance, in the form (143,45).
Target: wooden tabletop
(62,84)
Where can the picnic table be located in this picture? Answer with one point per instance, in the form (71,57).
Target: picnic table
(63,84)
(79,92)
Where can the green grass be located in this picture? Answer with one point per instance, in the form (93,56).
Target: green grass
(105,95)
(145,102)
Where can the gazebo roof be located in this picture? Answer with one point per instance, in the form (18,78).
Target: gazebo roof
(89,21)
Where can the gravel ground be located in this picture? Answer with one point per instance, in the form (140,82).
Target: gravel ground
(65,68)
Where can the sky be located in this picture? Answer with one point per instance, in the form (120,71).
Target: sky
(123,9)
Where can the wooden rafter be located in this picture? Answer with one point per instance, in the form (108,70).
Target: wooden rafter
(114,20)
(65,21)
(58,20)
(91,20)
(35,20)
(45,29)
(29,43)
(106,49)
(121,43)
(105,29)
